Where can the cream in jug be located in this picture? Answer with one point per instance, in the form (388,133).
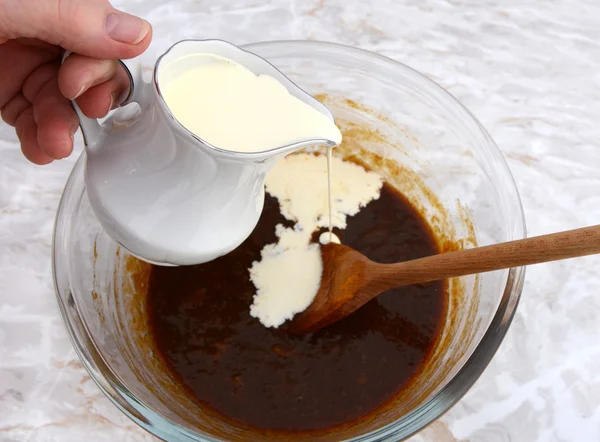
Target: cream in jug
(231,108)
(183,181)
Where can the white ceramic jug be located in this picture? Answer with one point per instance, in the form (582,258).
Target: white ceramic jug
(163,193)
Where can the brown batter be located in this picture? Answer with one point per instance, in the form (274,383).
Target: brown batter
(270,379)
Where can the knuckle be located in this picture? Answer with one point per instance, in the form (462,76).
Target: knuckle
(38,79)
(13,109)
(22,123)
(66,10)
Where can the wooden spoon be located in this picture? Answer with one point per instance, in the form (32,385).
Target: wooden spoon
(350,279)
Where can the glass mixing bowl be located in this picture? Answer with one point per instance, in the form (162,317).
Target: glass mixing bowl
(425,143)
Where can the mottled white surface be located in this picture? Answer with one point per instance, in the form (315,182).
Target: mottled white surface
(528,69)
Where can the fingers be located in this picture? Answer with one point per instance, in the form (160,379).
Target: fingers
(45,119)
(53,123)
(14,108)
(98,100)
(27,133)
(17,62)
(19,113)
(92,28)
(79,73)
(55,118)
(98,85)
(42,75)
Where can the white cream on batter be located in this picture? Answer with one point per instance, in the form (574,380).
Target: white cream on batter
(288,275)
(234,109)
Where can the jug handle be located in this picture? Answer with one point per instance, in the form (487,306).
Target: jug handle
(91,129)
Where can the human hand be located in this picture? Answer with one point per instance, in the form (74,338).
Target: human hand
(35,88)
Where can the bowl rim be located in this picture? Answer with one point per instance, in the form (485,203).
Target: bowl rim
(400,429)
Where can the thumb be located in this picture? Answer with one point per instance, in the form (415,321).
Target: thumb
(87,27)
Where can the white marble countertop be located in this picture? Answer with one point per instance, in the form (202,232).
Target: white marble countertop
(528,69)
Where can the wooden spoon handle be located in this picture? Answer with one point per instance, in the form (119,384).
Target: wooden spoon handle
(562,245)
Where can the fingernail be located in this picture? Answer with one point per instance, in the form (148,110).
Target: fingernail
(81,91)
(73,129)
(126,28)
